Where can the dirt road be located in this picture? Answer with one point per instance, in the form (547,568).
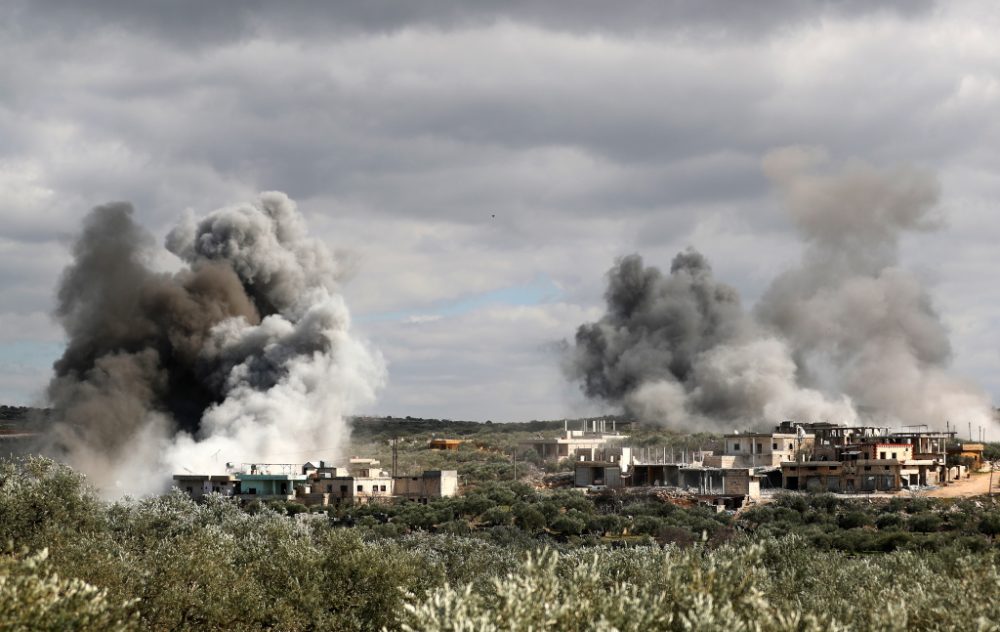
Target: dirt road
(976,485)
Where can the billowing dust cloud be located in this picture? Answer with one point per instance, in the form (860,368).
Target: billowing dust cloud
(846,333)
(245,354)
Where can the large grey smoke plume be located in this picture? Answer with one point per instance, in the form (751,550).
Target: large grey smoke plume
(245,354)
(845,328)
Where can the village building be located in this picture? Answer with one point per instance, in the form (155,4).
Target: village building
(200,485)
(574,444)
(597,474)
(931,446)
(445,444)
(320,483)
(264,483)
(868,460)
(367,485)
(968,454)
(430,484)
(765,449)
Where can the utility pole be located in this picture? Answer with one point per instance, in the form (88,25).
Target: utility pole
(395,454)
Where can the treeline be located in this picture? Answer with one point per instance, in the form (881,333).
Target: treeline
(384,428)
(856,526)
(22,413)
(514,513)
(501,558)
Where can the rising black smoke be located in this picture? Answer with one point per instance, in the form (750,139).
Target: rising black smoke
(656,327)
(845,327)
(243,354)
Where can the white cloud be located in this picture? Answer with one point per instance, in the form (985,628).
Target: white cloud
(587,136)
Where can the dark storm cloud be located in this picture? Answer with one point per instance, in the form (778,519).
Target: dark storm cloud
(192,22)
(402,128)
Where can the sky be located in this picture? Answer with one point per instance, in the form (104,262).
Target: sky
(479,166)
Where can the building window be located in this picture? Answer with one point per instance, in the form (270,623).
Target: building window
(868,468)
(343,489)
(790,447)
(774,446)
(736,447)
(760,448)
(190,490)
(361,488)
(882,455)
(382,488)
(893,455)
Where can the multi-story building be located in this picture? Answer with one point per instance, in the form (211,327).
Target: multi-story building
(766,449)
(867,459)
(586,443)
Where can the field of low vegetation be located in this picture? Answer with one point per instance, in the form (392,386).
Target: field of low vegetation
(505,555)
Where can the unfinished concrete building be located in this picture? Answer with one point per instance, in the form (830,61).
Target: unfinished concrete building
(200,485)
(766,449)
(594,436)
(698,479)
(867,459)
(430,484)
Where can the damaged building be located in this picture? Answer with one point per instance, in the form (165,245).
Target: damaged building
(795,456)
(851,459)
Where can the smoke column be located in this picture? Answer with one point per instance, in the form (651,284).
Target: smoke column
(858,322)
(244,355)
(845,333)
(679,349)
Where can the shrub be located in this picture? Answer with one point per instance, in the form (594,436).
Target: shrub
(925,522)
(889,521)
(32,597)
(567,525)
(990,524)
(852,520)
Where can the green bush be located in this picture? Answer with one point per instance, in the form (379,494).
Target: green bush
(567,525)
(472,563)
(989,524)
(33,597)
(925,522)
(852,520)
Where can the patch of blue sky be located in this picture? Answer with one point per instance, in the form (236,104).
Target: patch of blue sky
(540,290)
(29,354)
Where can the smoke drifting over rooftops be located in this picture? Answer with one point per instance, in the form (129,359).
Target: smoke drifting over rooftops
(845,328)
(244,353)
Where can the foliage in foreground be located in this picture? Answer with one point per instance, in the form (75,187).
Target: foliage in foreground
(772,585)
(32,597)
(168,563)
